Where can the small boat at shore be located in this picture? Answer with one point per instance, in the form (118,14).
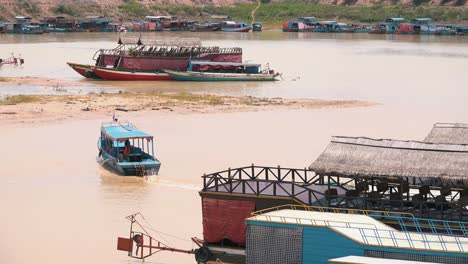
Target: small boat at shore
(209,71)
(127,150)
(234,26)
(13,60)
(130,75)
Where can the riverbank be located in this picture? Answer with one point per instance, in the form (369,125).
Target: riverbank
(45,108)
(271,14)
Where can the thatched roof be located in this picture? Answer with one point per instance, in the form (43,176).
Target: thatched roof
(171,42)
(453,133)
(348,156)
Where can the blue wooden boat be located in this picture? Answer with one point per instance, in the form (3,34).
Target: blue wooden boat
(210,71)
(233,26)
(127,150)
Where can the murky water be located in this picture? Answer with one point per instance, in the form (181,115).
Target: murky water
(59,206)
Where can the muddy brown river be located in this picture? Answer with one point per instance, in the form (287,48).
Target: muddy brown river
(59,206)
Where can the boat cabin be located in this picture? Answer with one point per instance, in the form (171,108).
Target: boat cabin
(308,20)
(225,67)
(130,150)
(257,26)
(421,21)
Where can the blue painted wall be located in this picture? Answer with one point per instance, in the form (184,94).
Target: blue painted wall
(320,244)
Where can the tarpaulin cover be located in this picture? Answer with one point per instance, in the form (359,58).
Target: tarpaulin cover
(155,63)
(160,63)
(213,68)
(225,219)
(235,57)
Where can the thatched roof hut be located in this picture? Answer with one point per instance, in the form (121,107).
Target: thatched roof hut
(365,157)
(453,133)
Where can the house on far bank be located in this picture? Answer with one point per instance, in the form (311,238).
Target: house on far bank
(95,23)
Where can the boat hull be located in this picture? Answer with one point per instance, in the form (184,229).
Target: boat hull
(246,29)
(126,75)
(84,70)
(147,167)
(219,77)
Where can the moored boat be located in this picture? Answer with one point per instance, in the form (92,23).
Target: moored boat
(138,59)
(127,150)
(208,71)
(130,75)
(257,26)
(233,26)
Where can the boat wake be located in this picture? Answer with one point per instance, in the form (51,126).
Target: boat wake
(170,183)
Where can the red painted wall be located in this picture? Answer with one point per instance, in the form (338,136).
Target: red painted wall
(225,219)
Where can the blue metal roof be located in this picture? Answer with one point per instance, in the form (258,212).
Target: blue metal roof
(122,131)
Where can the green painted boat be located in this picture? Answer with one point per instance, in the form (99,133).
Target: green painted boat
(208,71)
(219,77)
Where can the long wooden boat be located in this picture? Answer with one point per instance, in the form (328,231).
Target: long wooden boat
(210,71)
(130,75)
(139,59)
(232,26)
(219,76)
(84,70)
(127,150)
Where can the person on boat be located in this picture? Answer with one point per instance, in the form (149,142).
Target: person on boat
(126,151)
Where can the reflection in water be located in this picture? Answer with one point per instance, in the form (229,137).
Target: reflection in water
(58,205)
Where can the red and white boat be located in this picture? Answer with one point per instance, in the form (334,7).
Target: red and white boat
(130,75)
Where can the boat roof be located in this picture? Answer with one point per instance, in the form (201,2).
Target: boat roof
(395,19)
(122,131)
(160,17)
(215,63)
(423,19)
(364,230)
(289,216)
(369,260)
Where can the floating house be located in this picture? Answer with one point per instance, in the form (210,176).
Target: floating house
(392,25)
(420,179)
(144,26)
(94,24)
(308,236)
(60,24)
(300,24)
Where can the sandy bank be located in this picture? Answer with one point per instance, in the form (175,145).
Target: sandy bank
(37,81)
(24,109)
